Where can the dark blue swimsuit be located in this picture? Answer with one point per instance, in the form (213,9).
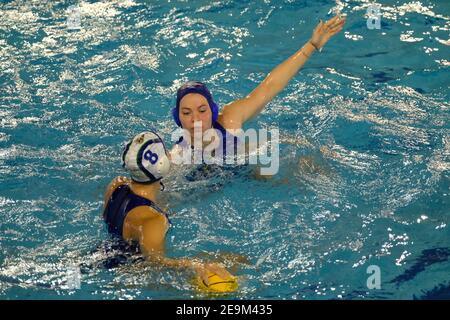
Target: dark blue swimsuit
(122,201)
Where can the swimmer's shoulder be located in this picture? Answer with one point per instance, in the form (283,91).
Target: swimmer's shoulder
(145,216)
(229,121)
(231,116)
(144,222)
(139,215)
(113,185)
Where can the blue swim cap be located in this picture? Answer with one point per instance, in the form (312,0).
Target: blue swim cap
(194,87)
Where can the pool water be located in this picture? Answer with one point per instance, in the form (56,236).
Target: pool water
(364,159)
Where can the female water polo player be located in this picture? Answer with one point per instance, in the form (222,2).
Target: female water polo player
(195,104)
(130,204)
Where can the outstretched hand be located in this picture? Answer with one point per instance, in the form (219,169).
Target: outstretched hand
(325,30)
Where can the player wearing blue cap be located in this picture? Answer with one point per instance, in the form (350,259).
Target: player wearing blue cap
(195,103)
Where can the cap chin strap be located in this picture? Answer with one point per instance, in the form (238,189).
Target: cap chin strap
(162,185)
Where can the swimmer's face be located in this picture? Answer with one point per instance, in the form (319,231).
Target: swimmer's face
(195,108)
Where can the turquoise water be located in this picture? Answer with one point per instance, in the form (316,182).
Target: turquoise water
(377,100)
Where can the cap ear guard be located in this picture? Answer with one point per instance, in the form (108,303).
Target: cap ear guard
(215,111)
(176,116)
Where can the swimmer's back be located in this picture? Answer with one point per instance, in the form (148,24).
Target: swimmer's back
(143,212)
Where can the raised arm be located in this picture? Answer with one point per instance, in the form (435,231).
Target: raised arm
(235,114)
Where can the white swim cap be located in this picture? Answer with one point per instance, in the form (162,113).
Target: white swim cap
(145,157)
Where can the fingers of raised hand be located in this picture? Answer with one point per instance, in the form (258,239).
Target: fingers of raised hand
(336,29)
(319,26)
(334,22)
(331,21)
